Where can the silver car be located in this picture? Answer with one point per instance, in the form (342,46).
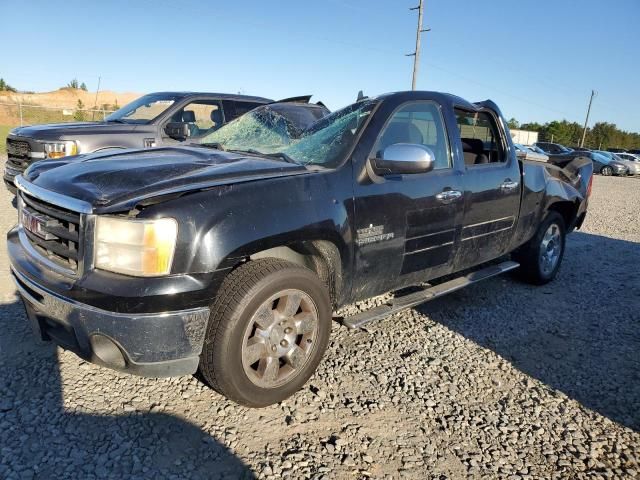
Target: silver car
(530,154)
(633,166)
(629,156)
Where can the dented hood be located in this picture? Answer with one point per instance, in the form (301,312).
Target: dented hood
(126,178)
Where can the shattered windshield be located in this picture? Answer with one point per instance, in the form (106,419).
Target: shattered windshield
(330,139)
(266,132)
(262,129)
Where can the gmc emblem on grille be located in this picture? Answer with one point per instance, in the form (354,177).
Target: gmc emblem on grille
(35,224)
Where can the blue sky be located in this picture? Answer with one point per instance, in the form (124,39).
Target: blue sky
(538,59)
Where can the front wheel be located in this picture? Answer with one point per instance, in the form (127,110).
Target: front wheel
(607,171)
(267,332)
(540,257)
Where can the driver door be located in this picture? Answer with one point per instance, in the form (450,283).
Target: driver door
(406,225)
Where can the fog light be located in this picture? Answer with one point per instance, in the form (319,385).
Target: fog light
(107,351)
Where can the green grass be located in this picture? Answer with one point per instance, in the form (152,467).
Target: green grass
(4,131)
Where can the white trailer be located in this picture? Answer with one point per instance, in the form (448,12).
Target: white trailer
(525,137)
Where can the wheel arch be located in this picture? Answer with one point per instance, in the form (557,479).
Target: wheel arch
(568,210)
(322,256)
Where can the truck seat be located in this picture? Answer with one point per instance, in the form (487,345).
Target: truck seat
(189,116)
(400,132)
(473,150)
(216,118)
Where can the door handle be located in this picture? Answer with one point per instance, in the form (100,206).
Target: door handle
(448,196)
(508,185)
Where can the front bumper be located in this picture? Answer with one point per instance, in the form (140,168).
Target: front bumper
(9,176)
(148,344)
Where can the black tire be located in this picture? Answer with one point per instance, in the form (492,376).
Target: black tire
(607,171)
(533,269)
(247,290)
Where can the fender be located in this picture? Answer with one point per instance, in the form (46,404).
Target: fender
(258,216)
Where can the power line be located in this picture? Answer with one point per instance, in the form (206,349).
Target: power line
(497,90)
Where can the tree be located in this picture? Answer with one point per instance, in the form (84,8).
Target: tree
(513,123)
(79,115)
(603,135)
(83,87)
(5,87)
(73,84)
(564,132)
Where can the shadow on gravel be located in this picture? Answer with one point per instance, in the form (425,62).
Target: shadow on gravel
(41,438)
(579,334)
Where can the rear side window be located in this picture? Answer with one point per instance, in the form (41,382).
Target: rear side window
(480,136)
(234,109)
(244,107)
(418,123)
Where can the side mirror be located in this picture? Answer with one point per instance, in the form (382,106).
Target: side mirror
(404,158)
(177,130)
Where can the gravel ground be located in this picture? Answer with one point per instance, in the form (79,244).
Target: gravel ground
(502,380)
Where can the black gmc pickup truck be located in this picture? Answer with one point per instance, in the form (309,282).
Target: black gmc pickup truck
(230,257)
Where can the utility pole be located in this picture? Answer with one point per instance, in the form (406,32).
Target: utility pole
(584,132)
(95,102)
(416,53)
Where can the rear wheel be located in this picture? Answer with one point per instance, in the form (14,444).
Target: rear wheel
(268,330)
(607,171)
(540,257)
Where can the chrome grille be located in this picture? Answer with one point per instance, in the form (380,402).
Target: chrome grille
(53,231)
(18,148)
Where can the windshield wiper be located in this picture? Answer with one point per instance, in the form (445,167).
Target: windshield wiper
(115,120)
(280,155)
(215,145)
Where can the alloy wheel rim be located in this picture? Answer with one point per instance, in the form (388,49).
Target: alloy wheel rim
(550,249)
(606,171)
(280,338)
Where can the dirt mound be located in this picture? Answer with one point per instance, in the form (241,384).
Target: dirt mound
(68,98)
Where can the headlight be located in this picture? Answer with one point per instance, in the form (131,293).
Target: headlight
(61,149)
(143,248)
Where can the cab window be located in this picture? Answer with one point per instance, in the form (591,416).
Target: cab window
(203,117)
(480,136)
(418,123)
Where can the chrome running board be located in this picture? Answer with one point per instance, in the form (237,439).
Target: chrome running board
(398,304)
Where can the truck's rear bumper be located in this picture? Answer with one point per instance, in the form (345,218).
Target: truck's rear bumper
(149,344)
